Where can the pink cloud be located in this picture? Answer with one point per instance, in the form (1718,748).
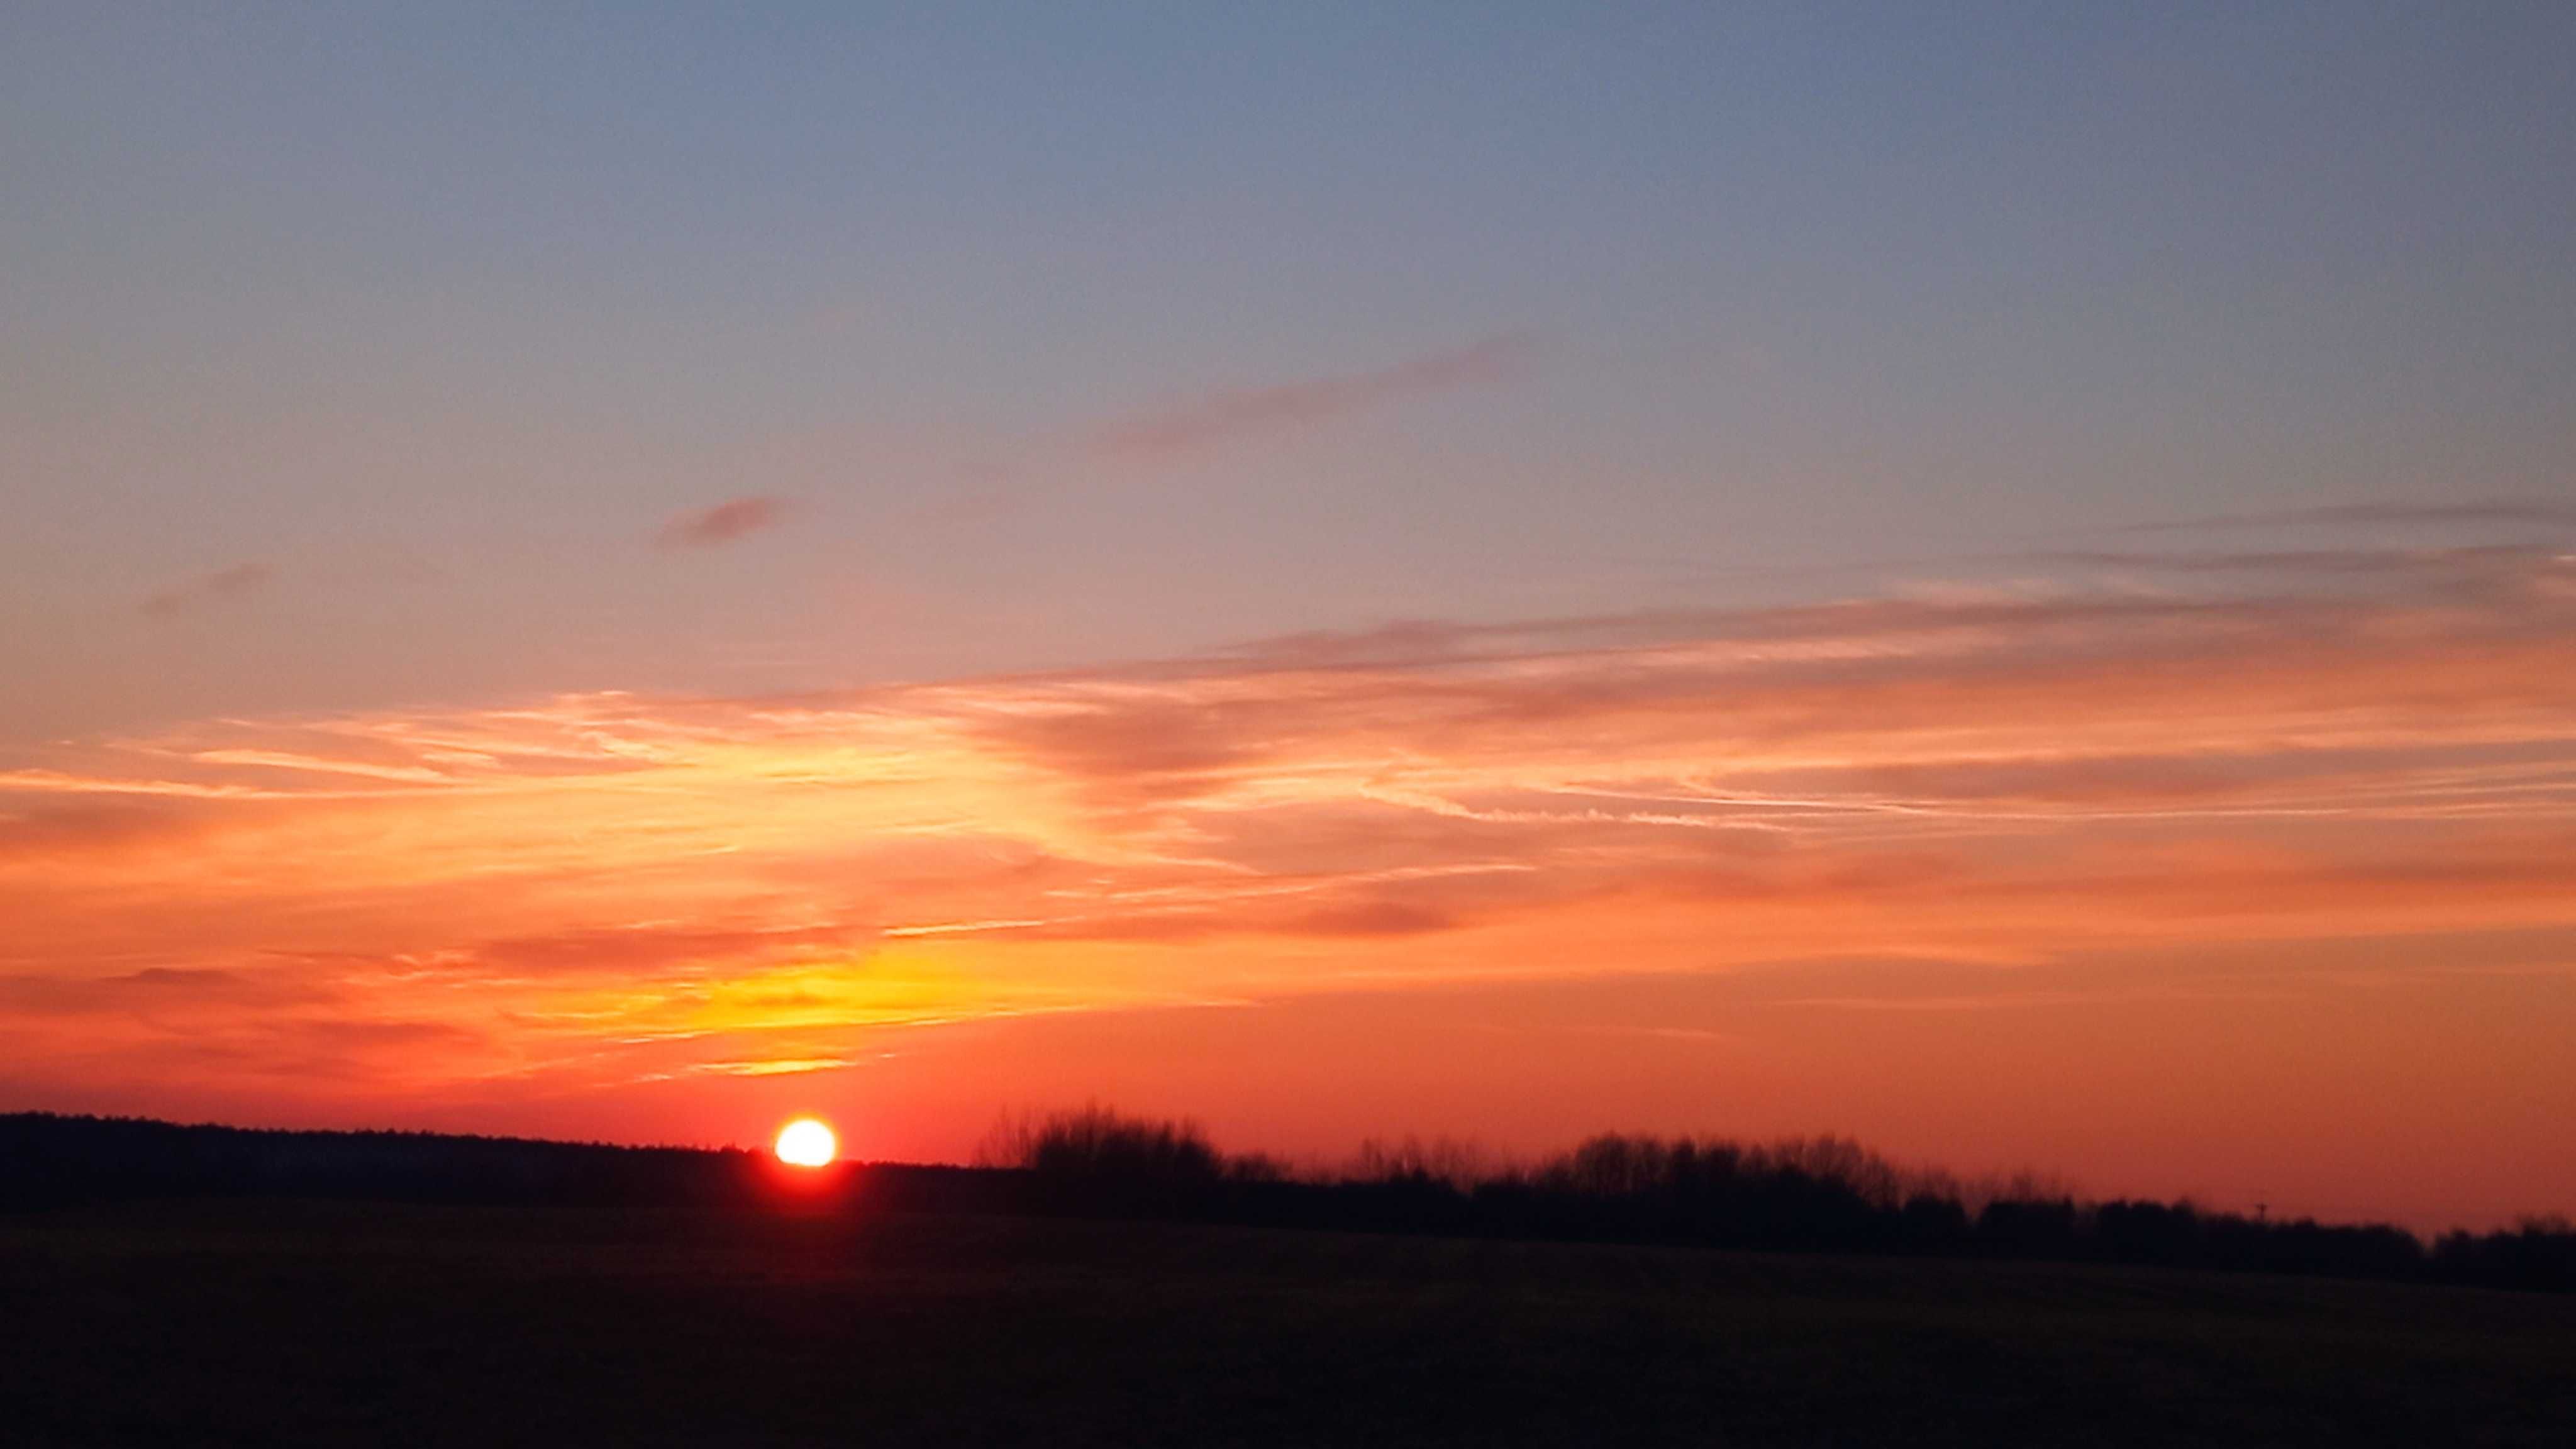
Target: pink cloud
(724,522)
(1217,418)
(222,584)
(2510,511)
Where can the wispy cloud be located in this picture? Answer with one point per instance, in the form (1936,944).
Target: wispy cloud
(2508,511)
(207,589)
(1218,418)
(723,523)
(609,888)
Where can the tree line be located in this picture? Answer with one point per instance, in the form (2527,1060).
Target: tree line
(1818,1195)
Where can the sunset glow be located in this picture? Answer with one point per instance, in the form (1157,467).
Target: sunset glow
(1999,583)
(2098,832)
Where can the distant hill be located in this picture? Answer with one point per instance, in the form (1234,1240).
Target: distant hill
(1815,1195)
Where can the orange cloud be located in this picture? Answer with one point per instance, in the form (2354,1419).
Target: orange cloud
(2068,799)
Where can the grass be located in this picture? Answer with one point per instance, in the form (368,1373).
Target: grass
(339,1323)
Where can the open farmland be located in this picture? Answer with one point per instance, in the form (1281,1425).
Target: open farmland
(299,1322)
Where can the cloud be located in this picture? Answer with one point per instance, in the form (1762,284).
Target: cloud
(2510,511)
(99,822)
(158,988)
(639,952)
(1371,918)
(207,589)
(2367,748)
(723,523)
(1219,418)
(2467,567)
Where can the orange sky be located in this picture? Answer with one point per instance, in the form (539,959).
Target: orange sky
(2265,893)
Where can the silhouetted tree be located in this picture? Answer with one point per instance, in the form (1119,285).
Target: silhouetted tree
(1817,1194)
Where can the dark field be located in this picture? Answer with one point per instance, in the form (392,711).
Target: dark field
(341,1323)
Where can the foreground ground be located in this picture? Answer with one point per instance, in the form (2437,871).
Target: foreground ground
(323,1323)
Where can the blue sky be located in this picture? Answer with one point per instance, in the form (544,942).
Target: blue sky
(426,321)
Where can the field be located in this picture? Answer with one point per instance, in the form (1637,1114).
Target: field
(301,1322)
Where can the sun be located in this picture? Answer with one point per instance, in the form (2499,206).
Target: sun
(806,1143)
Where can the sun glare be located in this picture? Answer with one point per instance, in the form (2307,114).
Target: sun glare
(806,1143)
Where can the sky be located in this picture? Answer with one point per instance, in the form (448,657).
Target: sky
(2000,579)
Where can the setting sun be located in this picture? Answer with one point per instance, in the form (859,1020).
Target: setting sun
(806,1143)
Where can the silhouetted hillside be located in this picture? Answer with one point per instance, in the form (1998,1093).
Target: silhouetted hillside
(47,1159)
(1807,1195)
